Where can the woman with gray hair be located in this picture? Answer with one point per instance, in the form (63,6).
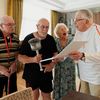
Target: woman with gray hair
(64,72)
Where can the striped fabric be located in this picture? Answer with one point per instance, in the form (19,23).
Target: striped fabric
(5,58)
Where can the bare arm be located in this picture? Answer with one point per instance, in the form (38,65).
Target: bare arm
(25,59)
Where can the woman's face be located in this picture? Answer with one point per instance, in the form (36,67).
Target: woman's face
(62,32)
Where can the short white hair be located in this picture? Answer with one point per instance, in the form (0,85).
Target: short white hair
(57,27)
(85,13)
(4,18)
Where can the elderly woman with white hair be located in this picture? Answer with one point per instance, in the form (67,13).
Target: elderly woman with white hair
(64,73)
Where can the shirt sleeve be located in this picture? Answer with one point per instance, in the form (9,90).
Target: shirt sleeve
(25,47)
(94,57)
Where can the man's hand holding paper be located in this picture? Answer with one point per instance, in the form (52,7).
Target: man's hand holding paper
(76,55)
(73,46)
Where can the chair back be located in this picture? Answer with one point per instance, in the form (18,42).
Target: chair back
(25,94)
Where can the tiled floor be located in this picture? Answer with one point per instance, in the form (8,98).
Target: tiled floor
(20,81)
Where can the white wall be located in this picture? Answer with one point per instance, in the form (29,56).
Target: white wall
(3,7)
(32,12)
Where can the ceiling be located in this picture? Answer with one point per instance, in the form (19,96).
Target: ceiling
(69,5)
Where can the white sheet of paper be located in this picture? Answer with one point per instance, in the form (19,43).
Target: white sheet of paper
(73,46)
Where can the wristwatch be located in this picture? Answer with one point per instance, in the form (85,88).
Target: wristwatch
(83,56)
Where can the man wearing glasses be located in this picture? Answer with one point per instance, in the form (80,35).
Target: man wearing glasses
(9,44)
(89,67)
(40,81)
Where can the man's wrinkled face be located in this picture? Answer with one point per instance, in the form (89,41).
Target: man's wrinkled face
(8,26)
(80,22)
(43,27)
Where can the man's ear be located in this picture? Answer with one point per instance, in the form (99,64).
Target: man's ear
(37,26)
(1,26)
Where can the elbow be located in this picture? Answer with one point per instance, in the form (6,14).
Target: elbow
(20,58)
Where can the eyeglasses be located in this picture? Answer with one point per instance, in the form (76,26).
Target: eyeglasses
(43,27)
(77,20)
(10,25)
(80,19)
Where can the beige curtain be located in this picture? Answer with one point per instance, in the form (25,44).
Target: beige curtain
(15,9)
(54,20)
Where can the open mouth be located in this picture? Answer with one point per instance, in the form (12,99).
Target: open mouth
(64,34)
